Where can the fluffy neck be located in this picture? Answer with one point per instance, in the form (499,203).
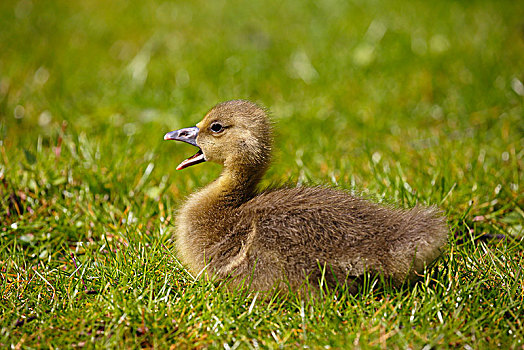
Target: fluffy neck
(207,216)
(232,188)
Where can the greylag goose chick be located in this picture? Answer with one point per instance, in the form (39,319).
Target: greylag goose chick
(280,238)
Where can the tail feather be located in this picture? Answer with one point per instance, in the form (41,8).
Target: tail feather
(426,235)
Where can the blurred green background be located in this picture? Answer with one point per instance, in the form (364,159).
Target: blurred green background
(390,77)
(404,101)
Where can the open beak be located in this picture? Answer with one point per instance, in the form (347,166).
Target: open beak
(188,135)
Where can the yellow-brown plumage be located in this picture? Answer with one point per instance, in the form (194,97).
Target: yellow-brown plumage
(277,238)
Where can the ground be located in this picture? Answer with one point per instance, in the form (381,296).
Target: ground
(419,102)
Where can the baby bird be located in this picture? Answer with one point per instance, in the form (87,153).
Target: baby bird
(288,238)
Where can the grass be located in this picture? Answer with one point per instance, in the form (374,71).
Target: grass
(408,104)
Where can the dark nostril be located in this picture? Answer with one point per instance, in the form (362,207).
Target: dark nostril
(183,133)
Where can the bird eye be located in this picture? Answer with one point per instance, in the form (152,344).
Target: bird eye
(216,127)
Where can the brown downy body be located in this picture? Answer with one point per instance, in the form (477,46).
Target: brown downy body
(278,238)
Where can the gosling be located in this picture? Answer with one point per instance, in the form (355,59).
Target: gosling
(290,238)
